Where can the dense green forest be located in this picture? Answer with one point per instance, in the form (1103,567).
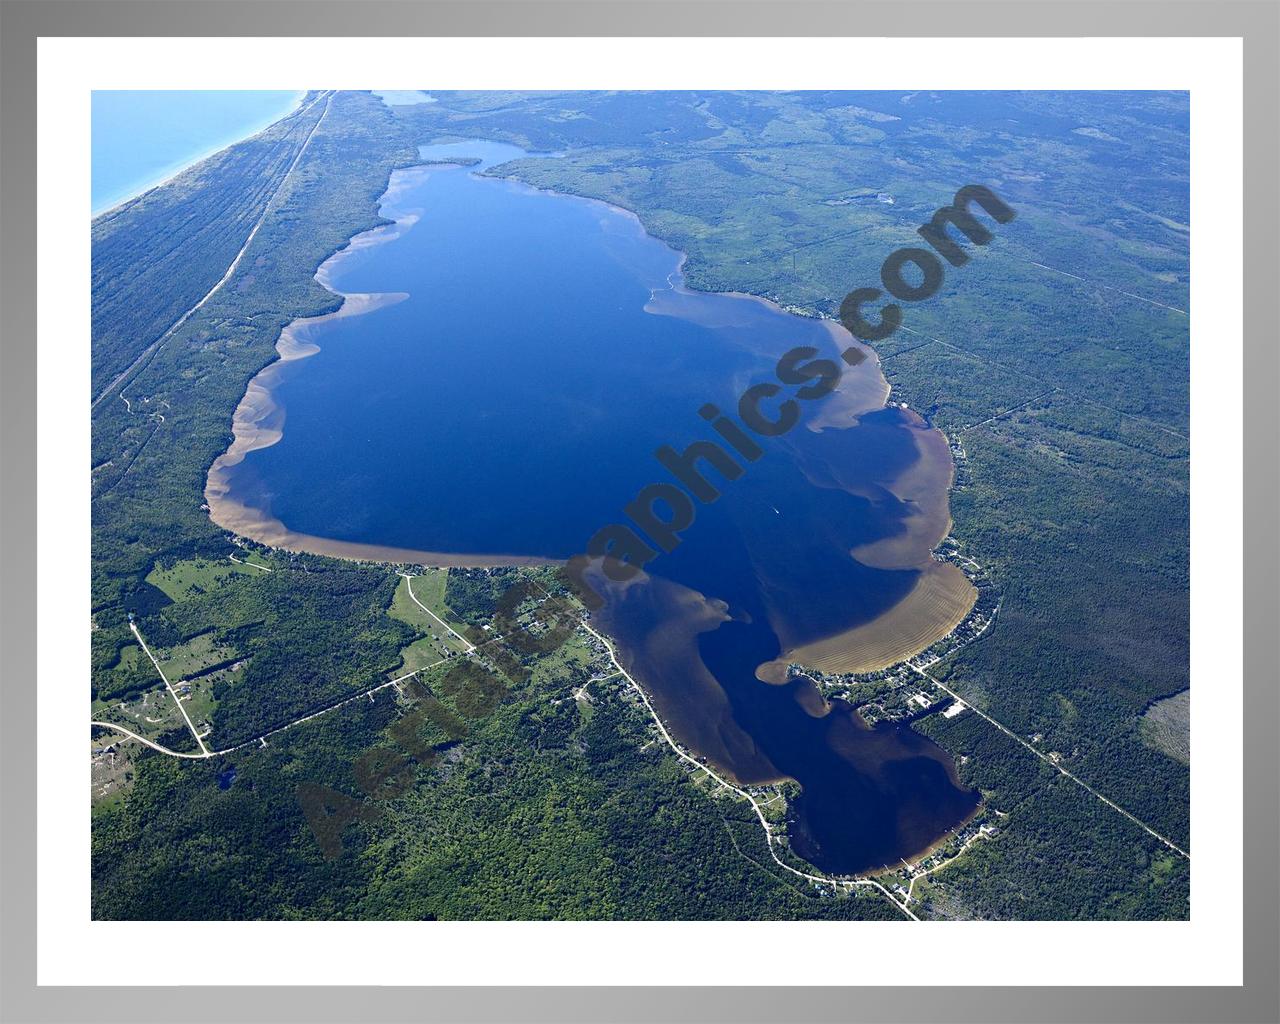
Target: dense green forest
(1074,497)
(151,454)
(545,805)
(200,221)
(1077,502)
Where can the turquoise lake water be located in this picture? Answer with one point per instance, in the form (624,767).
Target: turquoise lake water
(142,137)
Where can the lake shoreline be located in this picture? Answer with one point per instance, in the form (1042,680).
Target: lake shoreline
(289,347)
(258,423)
(922,486)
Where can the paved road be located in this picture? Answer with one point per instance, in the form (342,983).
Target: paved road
(262,740)
(1048,760)
(174,693)
(155,345)
(142,739)
(408,580)
(835,883)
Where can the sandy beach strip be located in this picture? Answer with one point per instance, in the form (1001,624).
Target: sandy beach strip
(933,608)
(258,421)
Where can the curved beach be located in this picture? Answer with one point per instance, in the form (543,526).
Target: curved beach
(863,486)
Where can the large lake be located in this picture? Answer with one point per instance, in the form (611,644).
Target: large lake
(142,137)
(507,362)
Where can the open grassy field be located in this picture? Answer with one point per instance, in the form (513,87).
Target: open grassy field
(196,655)
(429,590)
(195,576)
(148,714)
(422,653)
(1166,726)
(111,772)
(197,696)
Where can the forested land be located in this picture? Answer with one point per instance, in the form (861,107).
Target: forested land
(1057,358)
(1076,502)
(198,221)
(546,810)
(559,803)
(152,454)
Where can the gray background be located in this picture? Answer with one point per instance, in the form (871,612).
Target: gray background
(1258,22)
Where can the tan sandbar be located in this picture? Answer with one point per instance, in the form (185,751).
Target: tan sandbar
(935,606)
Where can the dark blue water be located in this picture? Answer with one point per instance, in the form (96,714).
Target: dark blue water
(513,404)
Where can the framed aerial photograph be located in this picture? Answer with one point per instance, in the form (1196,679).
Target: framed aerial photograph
(608,510)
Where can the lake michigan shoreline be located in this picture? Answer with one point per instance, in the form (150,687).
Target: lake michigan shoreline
(137,189)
